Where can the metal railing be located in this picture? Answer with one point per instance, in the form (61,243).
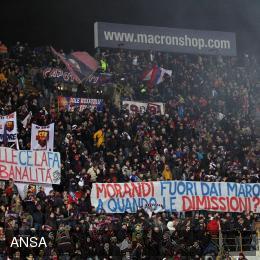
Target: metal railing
(238,241)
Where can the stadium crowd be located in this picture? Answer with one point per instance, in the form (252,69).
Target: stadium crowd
(206,134)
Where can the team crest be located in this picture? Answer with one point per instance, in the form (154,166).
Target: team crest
(42,137)
(9,125)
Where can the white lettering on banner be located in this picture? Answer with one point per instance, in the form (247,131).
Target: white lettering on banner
(71,104)
(8,126)
(57,74)
(176,196)
(30,166)
(141,107)
(139,37)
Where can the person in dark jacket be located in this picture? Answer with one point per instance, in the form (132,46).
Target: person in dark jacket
(38,217)
(137,252)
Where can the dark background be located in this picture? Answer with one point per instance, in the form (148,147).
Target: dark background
(70,24)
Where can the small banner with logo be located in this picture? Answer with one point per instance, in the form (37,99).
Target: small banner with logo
(32,188)
(8,128)
(142,107)
(42,137)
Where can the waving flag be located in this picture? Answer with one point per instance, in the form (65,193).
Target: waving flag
(27,120)
(147,75)
(156,75)
(163,72)
(80,64)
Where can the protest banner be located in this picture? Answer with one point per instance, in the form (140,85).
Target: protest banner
(42,137)
(35,188)
(58,75)
(30,166)
(141,107)
(8,128)
(176,196)
(71,104)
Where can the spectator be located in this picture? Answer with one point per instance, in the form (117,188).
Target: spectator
(167,175)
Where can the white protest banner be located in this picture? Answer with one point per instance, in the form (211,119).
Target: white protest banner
(141,107)
(30,166)
(8,126)
(42,137)
(24,187)
(176,196)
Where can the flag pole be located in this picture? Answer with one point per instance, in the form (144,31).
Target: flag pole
(17,144)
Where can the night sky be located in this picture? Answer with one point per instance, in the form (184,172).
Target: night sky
(69,24)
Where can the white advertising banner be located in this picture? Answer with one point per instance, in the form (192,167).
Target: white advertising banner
(139,37)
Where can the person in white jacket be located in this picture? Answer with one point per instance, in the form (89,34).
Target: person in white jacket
(93,172)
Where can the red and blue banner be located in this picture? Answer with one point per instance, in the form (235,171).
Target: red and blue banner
(176,196)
